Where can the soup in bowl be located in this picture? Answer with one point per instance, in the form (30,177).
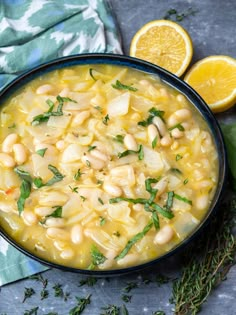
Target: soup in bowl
(104,166)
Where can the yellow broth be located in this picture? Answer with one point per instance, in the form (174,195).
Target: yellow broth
(113,173)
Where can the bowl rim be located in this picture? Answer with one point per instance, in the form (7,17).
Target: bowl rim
(169,79)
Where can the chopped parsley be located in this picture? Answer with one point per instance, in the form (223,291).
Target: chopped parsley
(74,189)
(101,201)
(185,181)
(102,221)
(178,126)
(91,74)
(119,138)
(154,142)
(91,147)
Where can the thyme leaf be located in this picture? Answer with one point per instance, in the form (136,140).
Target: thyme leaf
(128,152)
(81,305)
(153,112)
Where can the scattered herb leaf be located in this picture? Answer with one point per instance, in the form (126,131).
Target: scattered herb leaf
(81,305)
(178,126)
(101,201)
(78,174)
(130,286)
(102,221)
(44,294)
(28,293)
(58,292)
(105,119)
(119,138)
(185,181)
(178,157)
(154,142)
(91,74)
(186,200)
(110,310)
(32,311)
(83,198)
(74,189)
(176,170)
(128,152)
(126,298)
(89,281)
(12,126)
(41,152)
(91,147)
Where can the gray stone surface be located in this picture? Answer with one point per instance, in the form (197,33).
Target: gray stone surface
(213,32)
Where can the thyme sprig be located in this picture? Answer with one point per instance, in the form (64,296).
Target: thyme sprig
(206,263)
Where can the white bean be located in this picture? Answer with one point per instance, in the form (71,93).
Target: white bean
(161,186)
(92,162)
(180,98)
(129,259)
(77,234)
(176,133)
(64,92)
(8,142)
(152,133)
(60,145)
(166,141)
(55,222)
(29,217)
(201,202)
(6,160)
(20,153)
(58,233)
(157,121)
(67,253)
(130,142)
(98,154)
(183,114)
(164,235)
(60,245)
(80,118)
(112,190)
(164,92)
(138,207)
(43,211)
(44,89)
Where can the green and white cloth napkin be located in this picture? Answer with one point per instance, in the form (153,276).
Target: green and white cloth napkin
(36,31)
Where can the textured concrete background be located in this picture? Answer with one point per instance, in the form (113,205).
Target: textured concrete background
(213,32)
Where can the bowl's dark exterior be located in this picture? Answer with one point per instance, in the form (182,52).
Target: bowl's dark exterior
(169,79)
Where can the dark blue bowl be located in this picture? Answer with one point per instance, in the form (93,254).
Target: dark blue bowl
(170,80)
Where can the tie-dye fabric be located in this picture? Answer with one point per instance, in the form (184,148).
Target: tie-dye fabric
(36,31)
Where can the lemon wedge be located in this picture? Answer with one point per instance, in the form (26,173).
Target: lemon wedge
(214,78)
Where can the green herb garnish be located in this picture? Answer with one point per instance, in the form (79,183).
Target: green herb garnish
(117,233)
(134,240)
(178,157)
(45,116)
(172,14)
(126,298)
(74,189)
(176,196)
(91,147)
(185,181)
(28,293)
(40,278)
(102,221)
(83,198)
(97,257)
(153,112)
(128,152)
(57,213)
(13,126)
(32,311)
(154,142)
(25,188)
(99,108)
(58,292)
(170,199)
(120,86)
(56,178)
(44,294)
(176,170)
(89,281)
(41,152)
(159,313)
(105,119)
(81,305)
(178,126)
(110,310)
(91,74)
(101,201)
(77,175)
(119,138)
(130,286)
